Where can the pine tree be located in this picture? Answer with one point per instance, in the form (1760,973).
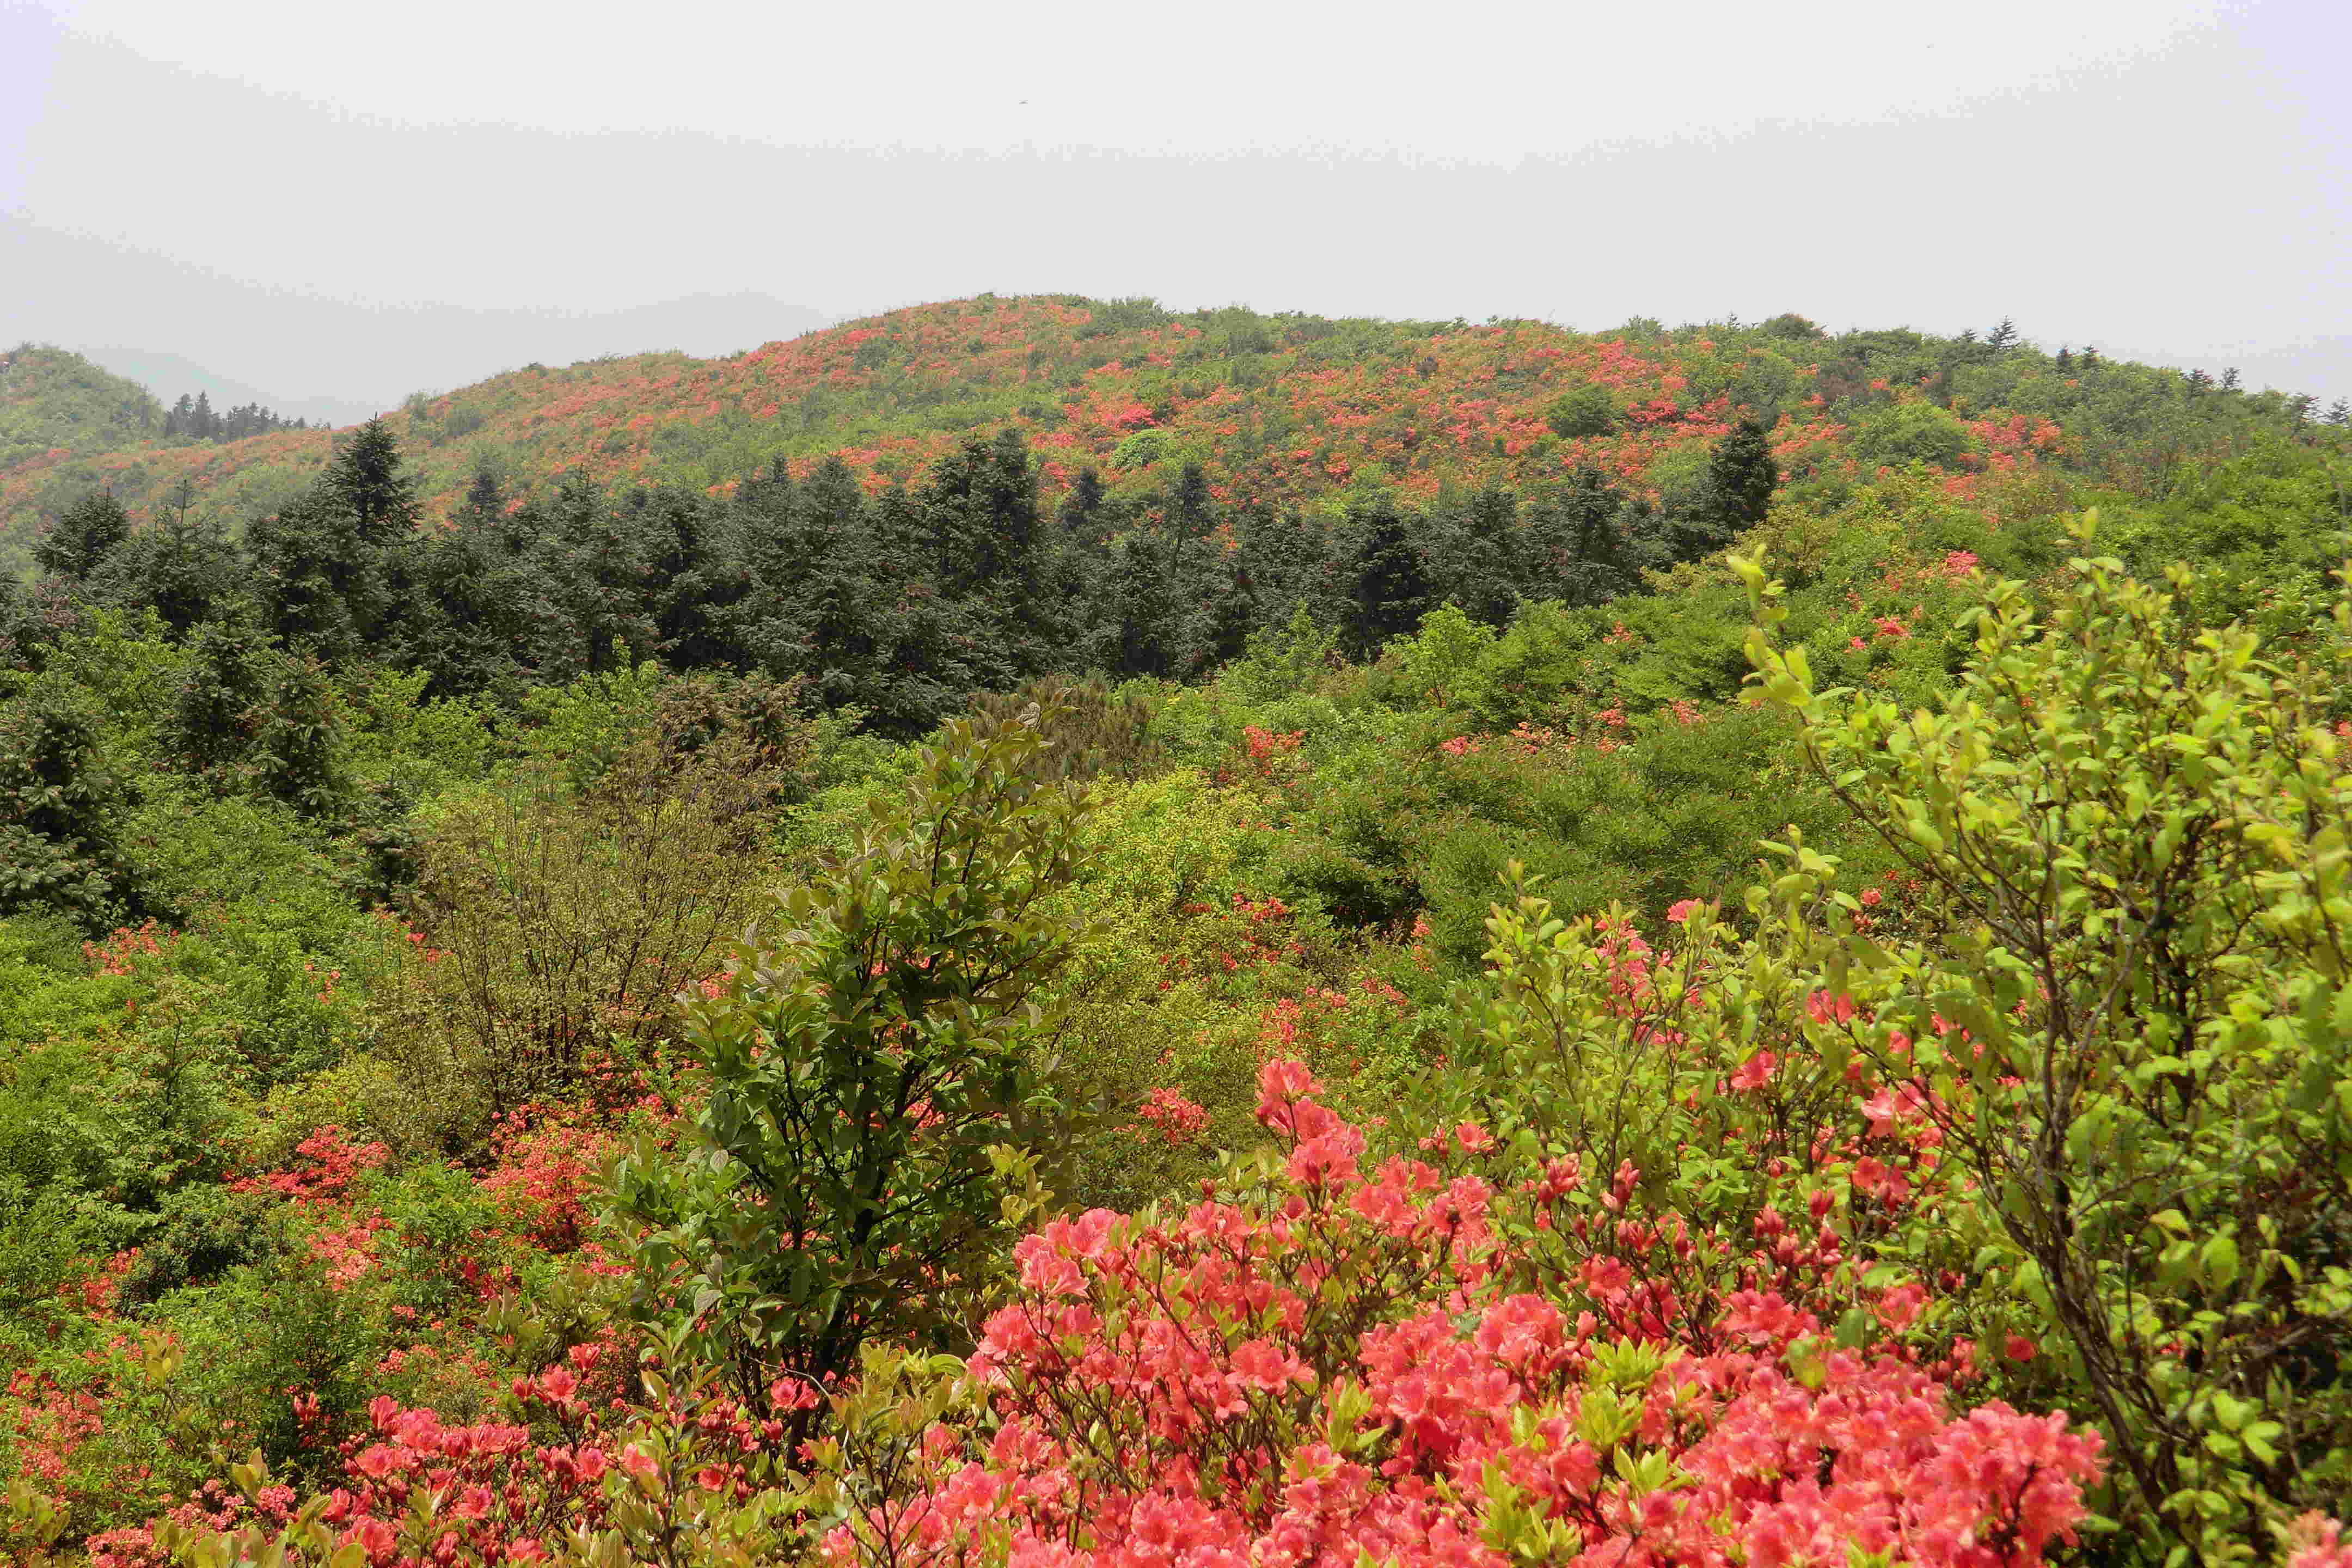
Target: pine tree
(2065,359)
(1741,478)
(1580,549)
(82,539)
(1081,506)
(2230,379)
(2001,336)
(1388,577)
(1145,626)
(365,480)
(203,423)
(59,810)
(1480,556)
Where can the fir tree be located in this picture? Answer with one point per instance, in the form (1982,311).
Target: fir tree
(1081,508)
(1480,555)
(1234,612)
(1388,578)
(366,481)
(1145,626)
(59,812)
(1581,550)
(82,539)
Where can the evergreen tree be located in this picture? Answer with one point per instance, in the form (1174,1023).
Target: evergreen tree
(1741,476)
(332,569)
(1080,507)
(1235,612)
(1191,515)
(850,598)
(296,756)
(203,423)
(59,808)
(213,715)
(690,577)
(2001,336)
(593,570)
(2065,359)
(365,481)
(989,559)
(1581,548)
(479,610)
(1144,631)
(1479,555)
(82,539)
(1290,562)
(311,575)
(184,566)
(2230,379)
(1388,577)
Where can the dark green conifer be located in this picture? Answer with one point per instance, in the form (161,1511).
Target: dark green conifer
(83,538)
(1388,576)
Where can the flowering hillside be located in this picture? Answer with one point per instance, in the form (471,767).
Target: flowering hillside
(1038,934)
(1277,408)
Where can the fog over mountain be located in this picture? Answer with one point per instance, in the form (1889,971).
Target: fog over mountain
(179,327)
(366,214)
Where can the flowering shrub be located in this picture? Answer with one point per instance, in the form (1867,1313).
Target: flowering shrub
(2122,1021)
(684,1477)
(1319,1362)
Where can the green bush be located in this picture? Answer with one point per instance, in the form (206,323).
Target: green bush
(2132,1031)
(1891,435)
(879,1078)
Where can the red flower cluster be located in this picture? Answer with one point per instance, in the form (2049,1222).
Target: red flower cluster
(1321,1362)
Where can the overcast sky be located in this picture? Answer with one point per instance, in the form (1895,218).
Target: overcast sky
(330,202)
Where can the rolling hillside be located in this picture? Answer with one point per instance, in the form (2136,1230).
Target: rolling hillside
(1281,409)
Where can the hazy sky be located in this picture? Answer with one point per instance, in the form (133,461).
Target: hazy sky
(324,201)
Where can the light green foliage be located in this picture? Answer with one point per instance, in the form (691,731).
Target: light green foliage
(882,1082)
(1580,411)
(2133,832)
(401,742)
(1445,661)
(1891,435)
(51,399)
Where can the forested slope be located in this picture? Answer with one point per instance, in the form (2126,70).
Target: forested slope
(1276,408)
(1038,932)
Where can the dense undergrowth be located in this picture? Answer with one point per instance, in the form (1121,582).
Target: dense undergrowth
(1531,1039)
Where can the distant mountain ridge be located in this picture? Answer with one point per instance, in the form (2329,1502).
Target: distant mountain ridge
(169,375)
(1278,409)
